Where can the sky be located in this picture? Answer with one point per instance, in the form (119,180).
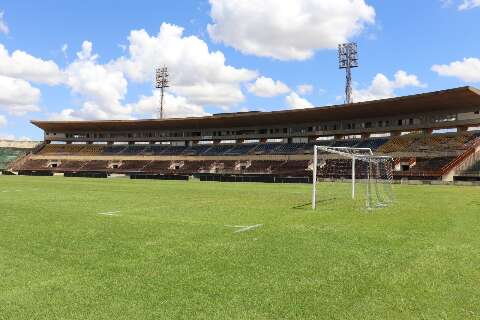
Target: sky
(79,60)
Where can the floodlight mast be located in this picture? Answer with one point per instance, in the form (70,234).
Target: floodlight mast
(161,82)
(348,59)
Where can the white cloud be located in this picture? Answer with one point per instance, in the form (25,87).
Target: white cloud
(287,29)
(65,115)
(469,4)
(174,106)
(381,87)
(305,89)
(64,50)
(267,87)
(198,77)
(446,3)
(467,70)
(3,25)
(27,67)
(3,121)
(17,96)
(6,136)
(294,101)
(197,74)
(101,87)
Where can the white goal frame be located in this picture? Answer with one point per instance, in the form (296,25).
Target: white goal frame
(346,152)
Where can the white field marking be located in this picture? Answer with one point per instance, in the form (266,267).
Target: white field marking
(245,228)
(111,213)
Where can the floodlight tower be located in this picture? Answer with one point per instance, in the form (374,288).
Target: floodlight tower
(348,59)
(161,82)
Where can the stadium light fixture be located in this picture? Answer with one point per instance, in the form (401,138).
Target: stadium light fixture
(348,59)
(161,82)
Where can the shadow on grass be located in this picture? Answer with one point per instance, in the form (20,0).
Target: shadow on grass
(308,205)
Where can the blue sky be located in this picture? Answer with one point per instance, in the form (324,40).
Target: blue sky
(94,59)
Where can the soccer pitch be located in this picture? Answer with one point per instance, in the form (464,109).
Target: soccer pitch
(73,248)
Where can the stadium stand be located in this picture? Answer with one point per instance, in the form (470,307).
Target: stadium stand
(427,166)
(239,149)
(95,165)
(374,143)
(264,148)
(428,143)
(422,145)
(157,167)
(216,150)
(195,150)
(408,129)
(473,170)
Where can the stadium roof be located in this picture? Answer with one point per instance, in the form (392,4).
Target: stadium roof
(451,99)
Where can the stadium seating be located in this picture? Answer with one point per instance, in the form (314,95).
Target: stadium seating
(70,165)
(295,168)
(95,165)
(428,143)
(430,164)
(406,143)
(190,167)
(217,150)
(30,164)
(290,148)
(91,150)
(173,150)
(345,143)
(474,170)
(132,165)
(157,166)
(133,150)
(240,149)
(373,143)
(195,150)
(262,166)
(264,148)
(114,149)
(430,154)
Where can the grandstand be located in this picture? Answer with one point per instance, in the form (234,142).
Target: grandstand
(431,136)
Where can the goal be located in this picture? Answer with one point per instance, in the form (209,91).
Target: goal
(369,175)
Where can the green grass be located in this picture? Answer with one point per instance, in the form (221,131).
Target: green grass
(168,254)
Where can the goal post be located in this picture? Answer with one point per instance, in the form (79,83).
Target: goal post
(359,166)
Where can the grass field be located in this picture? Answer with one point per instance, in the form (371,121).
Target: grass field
(73,248)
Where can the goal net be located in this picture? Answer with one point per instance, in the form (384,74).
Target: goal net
(351,175)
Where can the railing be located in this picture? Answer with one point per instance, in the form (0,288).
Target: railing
(462,157)
(446,168)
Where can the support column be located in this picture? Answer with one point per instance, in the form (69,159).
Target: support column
(365,136)
(353,178)
(314,178)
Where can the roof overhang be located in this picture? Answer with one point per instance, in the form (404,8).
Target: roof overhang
(438,101)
